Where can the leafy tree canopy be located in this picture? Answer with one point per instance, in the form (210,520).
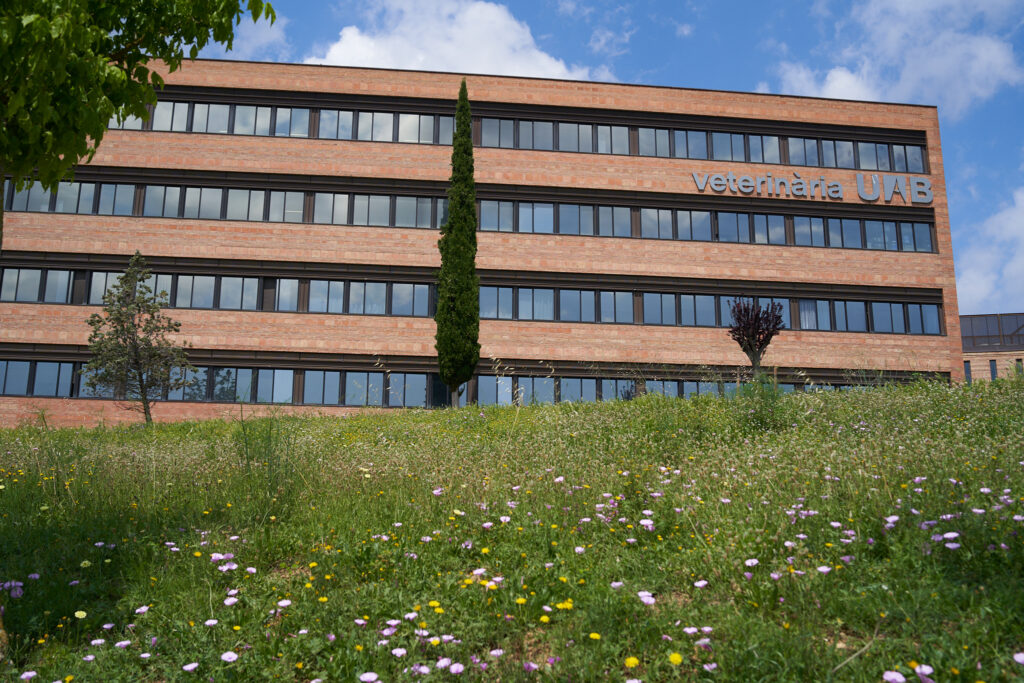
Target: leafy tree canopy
(68,66)
(754,326)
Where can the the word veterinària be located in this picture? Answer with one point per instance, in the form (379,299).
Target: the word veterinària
(870,187)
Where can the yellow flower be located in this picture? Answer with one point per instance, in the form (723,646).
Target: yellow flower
(80,614)
(544,619)
(85,563)
(298,665)
(197,554)
(520,601)
(439,610)
(595,636)
(675,658)
(433,603)
(359,648)
(485,550)
(632,662)
(312,564)
(322,598)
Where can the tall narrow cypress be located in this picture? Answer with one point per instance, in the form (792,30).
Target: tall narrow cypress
(458,286)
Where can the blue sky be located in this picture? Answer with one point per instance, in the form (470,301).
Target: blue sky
(965,56)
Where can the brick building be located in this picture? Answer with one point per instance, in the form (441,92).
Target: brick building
(993,345)
(290,213)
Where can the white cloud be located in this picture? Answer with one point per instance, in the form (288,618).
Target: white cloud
(763,87)
(946,52)
(610,43)
(572,8)
(470,36)
(684,30)
(990,271)
(255,41)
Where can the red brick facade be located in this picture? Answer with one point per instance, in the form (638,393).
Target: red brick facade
(39,325)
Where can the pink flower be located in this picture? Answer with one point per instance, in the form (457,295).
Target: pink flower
(752,562)
(530,666)
(284,603)
(230,601)
(398,652)
(1019,658)
(700,584)
(142,610)
(710,667)
(824,569)
(369,676)
(190,667)
(122,644)
(229,656)
(457,668)
(893,677)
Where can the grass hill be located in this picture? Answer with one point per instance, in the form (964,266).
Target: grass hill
(812,536)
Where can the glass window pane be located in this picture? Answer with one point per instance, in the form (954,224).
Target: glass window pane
(930,313)
(868,158)
(652,308)
(202,291)
(16,380)
(379,210)
(323,207)
(67,198)
(199,116)
(209,202)
(915,159)
(283,386)
(238,204)
(328,124)
(257,198)
(28,284)
(824,315)
(569,219)
(282,123)
(287,295)
(240,384)
(705,310)
(488,302)
(231,293)
(153,204)
(408,127)
(721,146)
(58,286)
(405,212)
(383,127)
(218,119)
(543,304)
(543,135)
(313,387)
(356,292)
(874,235)
(697,144)
(851,234)
(623,307)
(45,383)
(293,202)
(401,299)
(620,140)
(770,144)
(300,123)
(922,237)
(264,386)
(856,316)
(262,128)
(569,305)
(844,154)
(586,133)
(568,137)
(162,113)
(245,119)
(376,298)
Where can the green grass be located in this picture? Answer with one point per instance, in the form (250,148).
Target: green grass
(112,520)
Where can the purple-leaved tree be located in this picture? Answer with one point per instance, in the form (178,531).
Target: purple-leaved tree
(754,326)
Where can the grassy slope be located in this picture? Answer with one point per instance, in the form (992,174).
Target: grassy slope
(305,502)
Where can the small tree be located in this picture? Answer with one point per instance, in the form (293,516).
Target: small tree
(458,286)
(130,351)
(754,326)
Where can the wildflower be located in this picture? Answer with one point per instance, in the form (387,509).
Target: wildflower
(369,676)
(632,662)
(893,677)
(107,627)
(595,636)
(97,641)
(88,658)
(457,668)
(210,622)
(398,652)
(85,564)
(28,675)
(544,619)
(616,585)
(251,570)
(530,666)
(646,597)
(675,658)
(752,562)
(711,666)
(497,652)
(122,644)
(142,610)
(230,601)
(229,656)
(80,614)
(824,569)
(952,546)
(191,666)
(284,603)
(145,655)
(580,550)
(700,584)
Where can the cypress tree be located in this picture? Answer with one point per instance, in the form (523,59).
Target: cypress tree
(458,286)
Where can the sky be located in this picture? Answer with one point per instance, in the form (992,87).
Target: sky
(964,56)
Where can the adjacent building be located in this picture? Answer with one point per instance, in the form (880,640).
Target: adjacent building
(291,214)
(993,345)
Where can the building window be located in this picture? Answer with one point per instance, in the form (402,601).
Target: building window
(326,296)
(769,229)
(653,142)
(536,304)
(321,387)
(497,133)
(656,224)
(496,303)
(335,124)
(533,390)
(364,388)
(538,218)
(536,135)
(733,227)
(616,307)
(239,293)
(496,215)
(576,306)
(575,137)
(993,369)
(694,225)
(195,291)
(809,232)
(967,371)
(659,309)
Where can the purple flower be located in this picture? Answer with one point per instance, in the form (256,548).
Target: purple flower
(284,603)
(893,677)
(616,585)
(499,652)
(580,550)
(88,658)
(97,641)
(700,584)
(952,546)
(457,668)
(122,644)
(530,666)
(230,601)
(192,666)
(251,570)
(369,676)
(752,562)
(824,569)
(710,667)
(28,675)
(229,656)
(210,622)
(142,610)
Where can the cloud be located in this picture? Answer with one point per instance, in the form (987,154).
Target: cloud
(609,43)
(255,41)
(946,52)
(990,271)
(684,30)
(469,36)
(571,8)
